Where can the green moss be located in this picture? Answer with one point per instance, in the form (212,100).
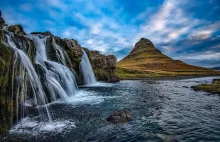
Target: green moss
(6,107)
(2,64)
(75,60)
(214,87)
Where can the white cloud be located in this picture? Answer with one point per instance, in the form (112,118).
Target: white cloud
(95,28)
(208,56)
(168,24)
(90,41)
(26,7)
(66,33)
(57,3)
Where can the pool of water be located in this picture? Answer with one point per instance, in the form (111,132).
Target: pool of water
(163,110)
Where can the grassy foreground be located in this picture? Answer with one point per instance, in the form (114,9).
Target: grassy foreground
(214,87)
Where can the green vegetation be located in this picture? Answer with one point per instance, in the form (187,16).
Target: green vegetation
(214,87)
(6,103)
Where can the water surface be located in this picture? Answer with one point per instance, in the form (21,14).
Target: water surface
(163,110)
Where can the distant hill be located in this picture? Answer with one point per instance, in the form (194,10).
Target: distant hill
(216,68)
(147,61)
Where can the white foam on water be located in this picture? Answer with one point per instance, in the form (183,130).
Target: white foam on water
(87,97)
(99,84)
(54,126)
(33,127)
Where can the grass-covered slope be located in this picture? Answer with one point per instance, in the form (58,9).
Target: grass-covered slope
(146,61)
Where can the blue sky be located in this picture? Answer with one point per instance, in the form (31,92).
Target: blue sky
(187,30)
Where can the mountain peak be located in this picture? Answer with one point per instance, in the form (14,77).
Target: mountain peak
(144,41)
(143,45)
(145,56)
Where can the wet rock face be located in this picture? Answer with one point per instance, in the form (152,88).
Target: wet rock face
(104,66)
(47,33)
(73,50)
(6,103)
(17,29)
(2,21)
(74,46)
(120,116)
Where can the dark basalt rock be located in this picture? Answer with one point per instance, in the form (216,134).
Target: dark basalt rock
(2,21)
(104,66)
(47,33)
(120,116)
(113,78)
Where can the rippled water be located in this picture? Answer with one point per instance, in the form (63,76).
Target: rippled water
(163,110)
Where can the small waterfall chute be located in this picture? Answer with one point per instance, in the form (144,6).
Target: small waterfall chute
(86,70)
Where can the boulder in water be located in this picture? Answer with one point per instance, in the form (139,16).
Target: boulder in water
(120,116)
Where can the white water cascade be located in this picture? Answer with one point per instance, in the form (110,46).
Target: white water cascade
(59,79)
(87,71)
(25,73)
(42,80)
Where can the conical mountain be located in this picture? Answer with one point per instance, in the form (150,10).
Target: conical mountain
(147,61)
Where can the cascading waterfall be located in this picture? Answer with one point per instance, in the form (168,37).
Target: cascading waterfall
(25,73)
(59,79)
(35,83)
(87,71)
(61,54)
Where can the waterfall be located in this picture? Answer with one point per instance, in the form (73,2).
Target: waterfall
(43,80)
(25,73)
(59,79)
(87,71)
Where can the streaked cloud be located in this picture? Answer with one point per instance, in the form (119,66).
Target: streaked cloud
(180,29)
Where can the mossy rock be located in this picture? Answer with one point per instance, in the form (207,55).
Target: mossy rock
(213,88)
(6,103)
(17,29)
